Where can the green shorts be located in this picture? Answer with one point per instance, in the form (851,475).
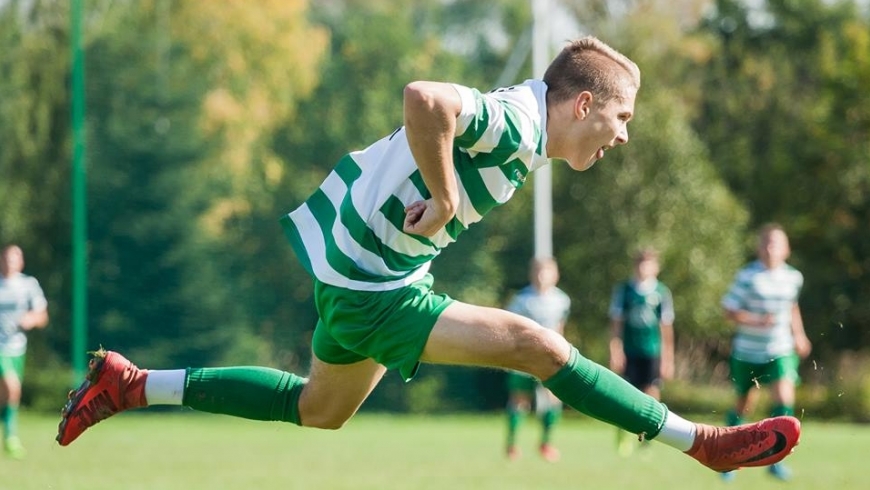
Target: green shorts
(745,375)
(391,327)
(12,364)
(517,381)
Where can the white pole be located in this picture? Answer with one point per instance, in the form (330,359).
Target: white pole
(543,177)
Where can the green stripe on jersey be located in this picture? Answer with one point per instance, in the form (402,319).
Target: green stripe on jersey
(325,214)
(509,141)
(472,181)
(295,239)
(515,171)
(416,178)
(477,127)
(394,211)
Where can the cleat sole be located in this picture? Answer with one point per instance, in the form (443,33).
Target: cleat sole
(74,397)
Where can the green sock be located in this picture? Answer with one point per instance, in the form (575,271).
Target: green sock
(548,420)
(256,393)
(779,410)
(732,418)
(602,394)
(515,418)
(9,417)
(4,420)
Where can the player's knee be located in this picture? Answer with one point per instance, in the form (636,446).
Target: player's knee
(327,421)
(540,352)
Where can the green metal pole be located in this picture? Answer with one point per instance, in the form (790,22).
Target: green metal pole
(79,200)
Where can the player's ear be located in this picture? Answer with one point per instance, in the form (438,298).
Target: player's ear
(583,104)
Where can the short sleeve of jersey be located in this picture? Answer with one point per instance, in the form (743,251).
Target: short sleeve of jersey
(734,299)
(497,122)
(469,97)
(35,296)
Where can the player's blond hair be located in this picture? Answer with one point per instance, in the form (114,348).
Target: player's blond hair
(588,64)
(646,253)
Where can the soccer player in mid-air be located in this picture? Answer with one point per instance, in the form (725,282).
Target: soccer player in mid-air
(367,236)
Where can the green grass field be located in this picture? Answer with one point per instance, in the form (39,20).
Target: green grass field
(188,451)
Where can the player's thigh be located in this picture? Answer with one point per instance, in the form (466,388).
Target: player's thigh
(746,375)
(479,336)
(335,392)
(784,372)
(11,370)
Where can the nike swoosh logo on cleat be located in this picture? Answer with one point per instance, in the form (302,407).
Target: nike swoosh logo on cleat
(778,446)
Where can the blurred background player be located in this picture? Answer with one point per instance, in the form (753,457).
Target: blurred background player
(22,307)
(641,332)
(770,339)
(549,306)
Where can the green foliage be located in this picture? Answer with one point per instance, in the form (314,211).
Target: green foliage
(842,391)
(34,115)
(787,126)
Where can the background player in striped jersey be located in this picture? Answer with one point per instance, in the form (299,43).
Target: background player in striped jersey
(23,307)
(641,332)
(770,339)
(545,303)
(367,237)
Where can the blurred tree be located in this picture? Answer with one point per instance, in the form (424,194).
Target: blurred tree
(787,120)
(34,175)
(183,100)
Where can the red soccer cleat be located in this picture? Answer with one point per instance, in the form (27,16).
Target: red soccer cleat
(760,444)
(113,384)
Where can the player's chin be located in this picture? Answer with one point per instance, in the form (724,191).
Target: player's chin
(581,166)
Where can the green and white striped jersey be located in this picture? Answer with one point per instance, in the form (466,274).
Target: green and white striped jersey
(18,295)
(760,290)
(549,308)
(349,232)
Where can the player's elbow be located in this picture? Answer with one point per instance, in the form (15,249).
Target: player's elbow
(428,97)
(419,93)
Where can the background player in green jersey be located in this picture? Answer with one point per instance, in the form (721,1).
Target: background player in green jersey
(770,339)
(641,332)
(545,303)
(22,307)
(367,236)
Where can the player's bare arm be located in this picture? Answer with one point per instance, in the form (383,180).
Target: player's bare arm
(617,355)
(802,344)
(667,359)
(34,319)
(748,318)
(430,111)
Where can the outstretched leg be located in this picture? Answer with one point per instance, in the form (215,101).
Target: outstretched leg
(10,399)
(479,336)
(327,399)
